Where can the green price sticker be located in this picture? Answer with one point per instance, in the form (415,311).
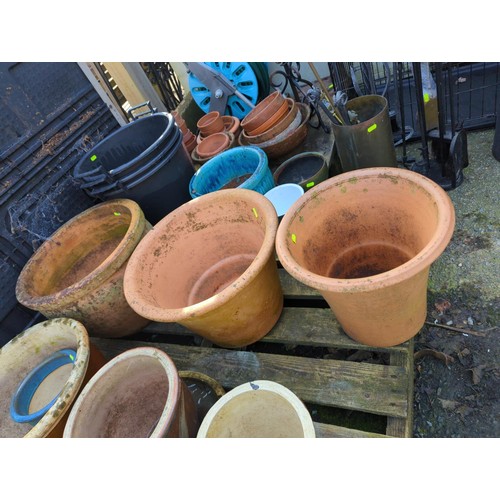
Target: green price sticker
(93,158)
(255,213)
(116,213)
(426,98)
(372,128)
(310,184)
(294,238)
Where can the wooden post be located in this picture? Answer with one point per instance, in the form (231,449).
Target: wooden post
(94,77)
(134,84)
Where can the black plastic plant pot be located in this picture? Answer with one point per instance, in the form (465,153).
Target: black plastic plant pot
(130,147)
(161,190)
(107,182)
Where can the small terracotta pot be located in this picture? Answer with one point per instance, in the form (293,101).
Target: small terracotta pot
(78,272)
(211,123)
(264,110)
(210,266)
(287,140)
(231,124)
(198,161)
(276,129)
(271,121)
(137,394)
(24,354)
(366,240)
(213,144)
(258,409)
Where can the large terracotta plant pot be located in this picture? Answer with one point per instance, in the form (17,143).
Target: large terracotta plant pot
(210,265)
(136,394)
(78,271)
(259,409)
(57,391)
(366,240)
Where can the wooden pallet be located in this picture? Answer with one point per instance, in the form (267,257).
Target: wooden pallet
(376,389)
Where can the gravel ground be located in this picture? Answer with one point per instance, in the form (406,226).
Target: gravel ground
(457,373)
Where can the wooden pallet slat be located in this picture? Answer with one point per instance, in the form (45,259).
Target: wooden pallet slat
(364,387)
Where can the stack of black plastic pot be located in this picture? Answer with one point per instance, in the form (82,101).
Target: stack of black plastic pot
(144,161)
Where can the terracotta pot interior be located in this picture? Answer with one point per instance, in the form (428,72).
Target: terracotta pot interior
(74,254)
(213,144)
(300,169)
(127,400)
(260,413)
(370,226)
(32,350)
(199,253)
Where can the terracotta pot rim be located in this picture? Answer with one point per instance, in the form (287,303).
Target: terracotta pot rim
(174,388)
(416,264)
(254,118)
(268,134)
(274,119)
(75,379)
(209,118)
(100,274)
(265,385)
(206,143)
(148,310)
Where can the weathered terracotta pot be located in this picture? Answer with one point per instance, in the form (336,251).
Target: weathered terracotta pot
(259,409)
(263,111)
(272,120)
(24,353)
(287,140)
(213,144)
(366,240)
(78,272)
(211,123)
(210,265)
(276,129)
(137,394)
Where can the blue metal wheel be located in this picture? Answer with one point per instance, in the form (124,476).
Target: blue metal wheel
(241,76)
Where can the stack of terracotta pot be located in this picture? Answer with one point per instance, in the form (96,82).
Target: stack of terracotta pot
(188,138)
(216,134)
(277,125)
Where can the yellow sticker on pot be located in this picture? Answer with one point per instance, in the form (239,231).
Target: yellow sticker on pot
(426,98)
(294,238)
(310,184)
(116,213)
(372,128)
(93,158)
(255,213)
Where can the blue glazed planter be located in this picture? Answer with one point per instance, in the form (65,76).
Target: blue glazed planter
(20,403)
(229,167)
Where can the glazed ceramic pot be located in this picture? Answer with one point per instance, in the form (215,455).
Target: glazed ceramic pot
(366,240)
(306,169)
(213,144)
(211,123)
(37,391)
(210,266)
(137,394)
(78,272)
(287,140)
(262,112)
(241,167)
(258,409)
